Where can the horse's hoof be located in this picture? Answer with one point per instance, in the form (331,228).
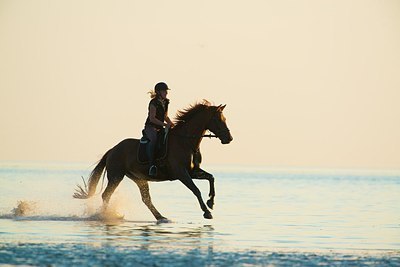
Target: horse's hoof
(163,220)
(210,203)
(207,215)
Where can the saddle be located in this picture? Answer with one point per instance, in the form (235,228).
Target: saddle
(161,148)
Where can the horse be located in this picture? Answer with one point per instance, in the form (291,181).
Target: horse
(183,140)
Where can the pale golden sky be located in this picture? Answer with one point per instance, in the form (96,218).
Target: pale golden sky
(306,83)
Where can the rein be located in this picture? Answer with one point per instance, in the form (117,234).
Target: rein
(194,136)
(209,135)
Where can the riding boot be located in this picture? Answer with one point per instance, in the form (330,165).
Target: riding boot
(150,154)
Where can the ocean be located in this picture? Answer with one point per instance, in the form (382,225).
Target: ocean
(262,217)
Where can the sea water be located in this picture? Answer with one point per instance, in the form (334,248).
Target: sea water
(262,217)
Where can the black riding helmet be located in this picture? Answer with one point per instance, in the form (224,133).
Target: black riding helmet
(161,86)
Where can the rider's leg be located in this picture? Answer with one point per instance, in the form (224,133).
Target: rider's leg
(151,133)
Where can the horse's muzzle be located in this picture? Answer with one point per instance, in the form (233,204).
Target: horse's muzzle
(227,140)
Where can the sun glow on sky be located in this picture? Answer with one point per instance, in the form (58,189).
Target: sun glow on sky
(306,83)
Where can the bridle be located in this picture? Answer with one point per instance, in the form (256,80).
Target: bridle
(216,134)
(209,135)
(219,132)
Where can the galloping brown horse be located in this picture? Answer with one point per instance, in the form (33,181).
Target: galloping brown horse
(184,138)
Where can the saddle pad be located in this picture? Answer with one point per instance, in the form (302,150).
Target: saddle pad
(142,155)
(161,149)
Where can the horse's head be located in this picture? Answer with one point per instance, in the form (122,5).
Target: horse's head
(217,125)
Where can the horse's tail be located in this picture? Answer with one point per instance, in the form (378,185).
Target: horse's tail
(88,190)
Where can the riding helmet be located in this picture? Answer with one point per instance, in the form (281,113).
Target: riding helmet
(161,86)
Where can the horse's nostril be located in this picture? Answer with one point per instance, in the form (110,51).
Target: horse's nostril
(226,141)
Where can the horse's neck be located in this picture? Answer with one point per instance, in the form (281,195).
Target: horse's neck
(197,125)
(194,129)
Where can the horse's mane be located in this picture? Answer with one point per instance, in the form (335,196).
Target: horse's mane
(186,114)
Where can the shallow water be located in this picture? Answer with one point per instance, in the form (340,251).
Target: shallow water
(261,217)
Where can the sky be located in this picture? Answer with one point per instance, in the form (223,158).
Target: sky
(307,83)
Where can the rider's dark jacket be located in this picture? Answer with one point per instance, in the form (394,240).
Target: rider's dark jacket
(161,111)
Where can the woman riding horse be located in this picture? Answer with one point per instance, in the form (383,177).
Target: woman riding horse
(157,118)
(184,138)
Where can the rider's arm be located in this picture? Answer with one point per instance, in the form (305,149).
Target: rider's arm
(168,120)
(152,116)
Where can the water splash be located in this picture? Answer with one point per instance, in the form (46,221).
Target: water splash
(24,208)
(29,210)
(92,211)
(108,215)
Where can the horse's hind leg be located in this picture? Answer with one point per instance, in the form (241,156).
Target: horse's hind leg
(114,179)
(145,193)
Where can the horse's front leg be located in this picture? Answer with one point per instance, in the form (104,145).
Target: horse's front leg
(186,179)
(201,174)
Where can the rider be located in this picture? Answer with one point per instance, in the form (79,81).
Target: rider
(157,118)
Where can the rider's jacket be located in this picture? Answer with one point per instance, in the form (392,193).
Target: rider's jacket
(161,110)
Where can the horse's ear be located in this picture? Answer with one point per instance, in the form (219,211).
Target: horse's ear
(221,107)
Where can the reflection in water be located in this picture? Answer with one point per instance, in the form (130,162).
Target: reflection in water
(153,236)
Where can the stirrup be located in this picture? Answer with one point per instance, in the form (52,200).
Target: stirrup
(153,170)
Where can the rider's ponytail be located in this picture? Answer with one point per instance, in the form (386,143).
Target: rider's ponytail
(153,94)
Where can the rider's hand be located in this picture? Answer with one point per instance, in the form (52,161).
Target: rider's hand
(169,125)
